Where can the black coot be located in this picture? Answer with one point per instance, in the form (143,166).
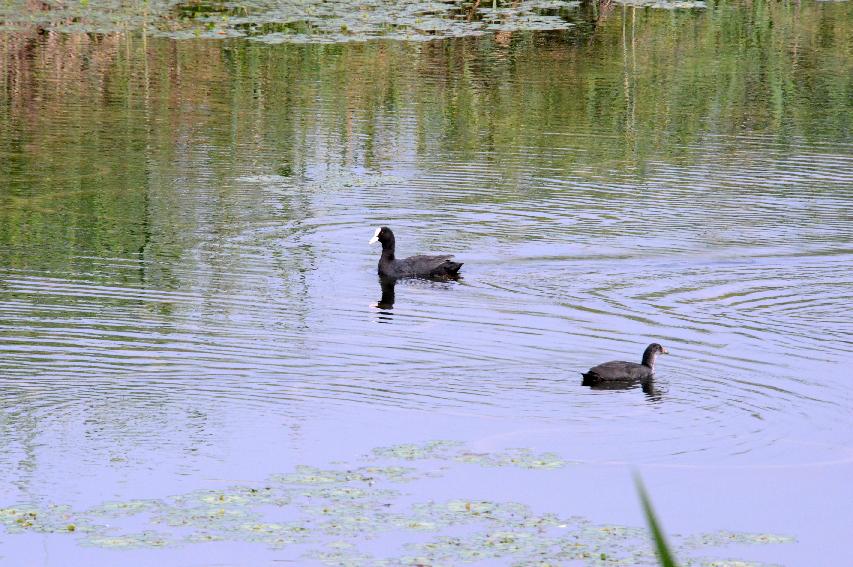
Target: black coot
(414,266)
(618,371)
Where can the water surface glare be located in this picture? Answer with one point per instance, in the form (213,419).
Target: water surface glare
(188,299)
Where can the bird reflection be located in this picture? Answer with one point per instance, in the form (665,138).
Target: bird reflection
(653,394)
(387,299)
(386,302)
(387,285)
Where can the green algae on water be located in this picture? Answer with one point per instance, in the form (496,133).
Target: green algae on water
(733,563)
(438,449)
(306,475)
(273,535)
(145,539)
(453,450)
(292,21)
(126,508)
(42,519)
(665,4)
(522,458)
(330,511)
(235,496)
(723,537)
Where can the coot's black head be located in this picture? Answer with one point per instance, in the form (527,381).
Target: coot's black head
(384,235)
(651,353)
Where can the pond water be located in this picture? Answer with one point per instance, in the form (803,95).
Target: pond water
(199,366)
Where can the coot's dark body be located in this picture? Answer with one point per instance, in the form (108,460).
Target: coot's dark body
(620,371)
(414,266)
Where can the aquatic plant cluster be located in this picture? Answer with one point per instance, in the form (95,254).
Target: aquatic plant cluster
(330,511)
(293,21)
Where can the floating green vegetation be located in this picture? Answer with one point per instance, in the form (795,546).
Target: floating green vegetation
(292,21)
(271,534)
(665,4)
(234,496)
(487,545)
(732,563)
(331,511)
(721,538)
(127,508)
(132,541)
(42,519)
(348,557)
(367,475)
(225,518)
(451,450)
(540,540)
(522,458)
(313,475)
(439,449)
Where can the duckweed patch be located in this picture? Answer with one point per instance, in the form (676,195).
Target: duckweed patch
(733,563)
(665,4)
(487,545)
(234,496)
(305,475)
(201,517)
(522,458)
(451,450)
(292,21)
(42,519)
(722,538)
(465,511)
(439,449)
(132,541)
(128,508)
(331,511)
(350,558)
(272,534)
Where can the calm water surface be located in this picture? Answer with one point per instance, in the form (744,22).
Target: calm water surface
(188,300)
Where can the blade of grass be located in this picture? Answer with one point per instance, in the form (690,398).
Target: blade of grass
(665,556)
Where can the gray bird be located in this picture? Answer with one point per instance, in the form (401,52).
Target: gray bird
(620,371)
(413,266)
